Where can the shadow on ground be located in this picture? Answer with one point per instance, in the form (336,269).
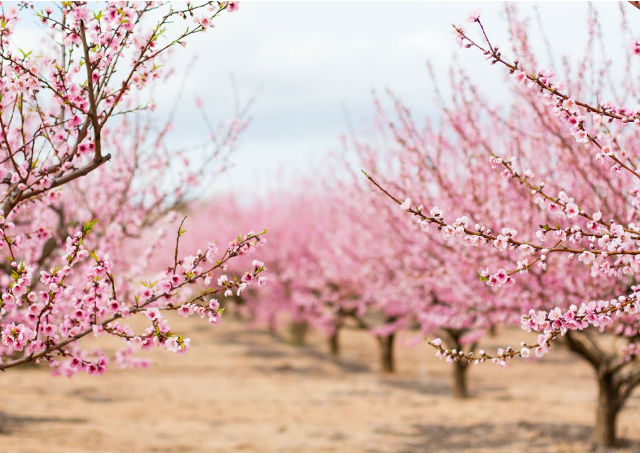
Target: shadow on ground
(255,342)
(429,387)
(12,422)
(437,437)
(427,438)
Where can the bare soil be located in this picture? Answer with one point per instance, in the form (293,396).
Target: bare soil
(246,390)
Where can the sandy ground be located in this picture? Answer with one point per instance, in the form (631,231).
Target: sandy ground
(243,390)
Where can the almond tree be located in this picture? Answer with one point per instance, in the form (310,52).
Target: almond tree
(82,193)
(560,217)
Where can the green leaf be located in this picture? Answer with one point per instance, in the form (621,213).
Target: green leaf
(148,284)
(88,226)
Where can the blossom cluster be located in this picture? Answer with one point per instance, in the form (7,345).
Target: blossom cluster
(87,200)
(543,194)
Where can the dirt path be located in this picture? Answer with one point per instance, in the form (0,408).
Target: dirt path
(241,390)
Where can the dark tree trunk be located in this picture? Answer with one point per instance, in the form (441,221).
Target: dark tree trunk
(298,331)
(459,387)
(606,412)
(334,343)
(387,362)
(271,328)
(614,386)
(460,379)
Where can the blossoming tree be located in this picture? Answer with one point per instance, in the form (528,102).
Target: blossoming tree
(318,263)
(560,218)
(452,304)
(71,213)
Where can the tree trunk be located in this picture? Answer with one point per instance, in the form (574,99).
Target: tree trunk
(460,379)
(606,412)
(610,400)
(272,325)
(387,362)
(334,343)
(298,331)
(459,367)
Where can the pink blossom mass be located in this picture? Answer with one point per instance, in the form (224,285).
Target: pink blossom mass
(487,229)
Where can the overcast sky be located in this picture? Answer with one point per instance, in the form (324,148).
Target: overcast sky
(308,63)
(312,62)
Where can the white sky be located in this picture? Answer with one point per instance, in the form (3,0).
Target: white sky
(313,60)
(310,62)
